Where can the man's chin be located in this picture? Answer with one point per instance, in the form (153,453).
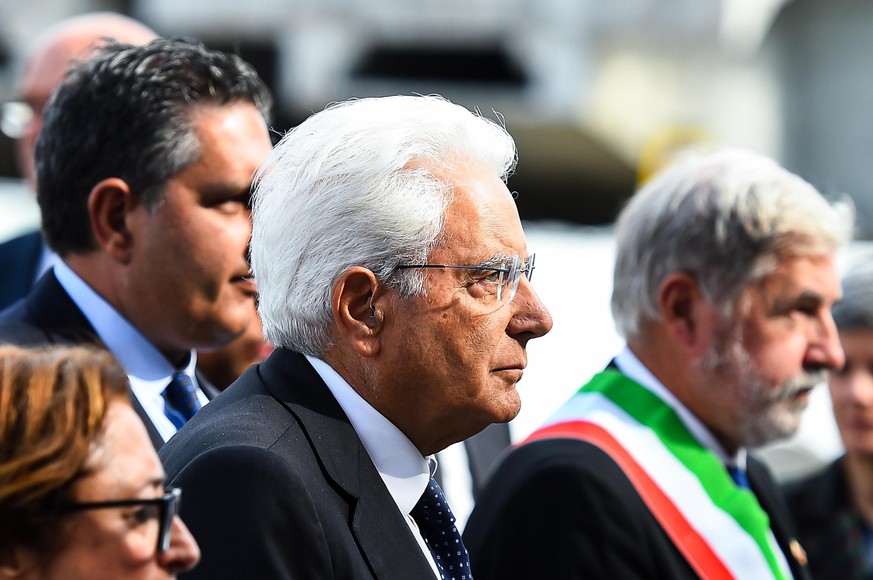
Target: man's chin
(509,411)
(220,334)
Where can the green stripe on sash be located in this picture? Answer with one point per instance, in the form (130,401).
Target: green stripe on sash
(649,410)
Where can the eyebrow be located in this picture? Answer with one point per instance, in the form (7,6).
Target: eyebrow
(495,261)
(155,482)
(810,296)
(221,189)
(804,298)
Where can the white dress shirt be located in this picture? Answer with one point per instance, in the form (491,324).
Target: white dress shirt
(147,369)
(630,365)
(404,470)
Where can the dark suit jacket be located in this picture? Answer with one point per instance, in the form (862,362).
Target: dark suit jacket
(19,259)
(831,529)
(562,508)
(283,485)
(47,315)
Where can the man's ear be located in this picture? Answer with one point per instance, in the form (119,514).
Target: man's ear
(685,311)
(15,562)
(109,205)
(357,302)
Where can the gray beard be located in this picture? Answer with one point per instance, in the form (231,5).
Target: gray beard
(765,415)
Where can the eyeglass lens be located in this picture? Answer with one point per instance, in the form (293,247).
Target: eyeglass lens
(517,267)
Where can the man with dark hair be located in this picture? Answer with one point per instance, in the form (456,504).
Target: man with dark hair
(144,166)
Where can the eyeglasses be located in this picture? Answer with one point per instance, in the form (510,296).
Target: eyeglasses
(167,507)
(15,117)
(505,275)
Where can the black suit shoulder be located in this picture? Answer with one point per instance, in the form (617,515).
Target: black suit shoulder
(19,259)
(47,315)
(249,484)
(282,487)
(274,532)
(564,509)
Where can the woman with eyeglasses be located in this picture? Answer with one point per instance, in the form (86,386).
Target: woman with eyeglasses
(81,488)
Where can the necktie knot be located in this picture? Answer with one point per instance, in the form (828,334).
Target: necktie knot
(437,526)
(181,399)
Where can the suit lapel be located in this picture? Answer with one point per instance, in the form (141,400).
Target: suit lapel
(210,390)
(378,526)
(771,500)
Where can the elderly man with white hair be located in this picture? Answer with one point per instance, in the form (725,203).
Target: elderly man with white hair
(394,278)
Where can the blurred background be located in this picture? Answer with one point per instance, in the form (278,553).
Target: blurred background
(597,94)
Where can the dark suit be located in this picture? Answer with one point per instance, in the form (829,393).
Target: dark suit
(19,258)
(562,508)
(283,485)
(47,315)
(831,529)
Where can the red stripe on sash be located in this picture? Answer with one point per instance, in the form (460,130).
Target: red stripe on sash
(695,548)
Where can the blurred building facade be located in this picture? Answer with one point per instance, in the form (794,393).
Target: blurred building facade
(584,85)
(819,53)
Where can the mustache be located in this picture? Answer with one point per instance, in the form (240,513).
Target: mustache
(803,382)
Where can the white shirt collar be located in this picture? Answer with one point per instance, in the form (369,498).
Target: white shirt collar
(402,467)
(630,365)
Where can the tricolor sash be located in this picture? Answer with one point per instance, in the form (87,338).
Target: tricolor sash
(720,528)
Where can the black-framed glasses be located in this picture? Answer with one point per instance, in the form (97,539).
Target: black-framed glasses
(506,274)
(167,507)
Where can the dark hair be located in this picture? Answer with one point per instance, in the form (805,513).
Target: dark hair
(127,113)
(53,402)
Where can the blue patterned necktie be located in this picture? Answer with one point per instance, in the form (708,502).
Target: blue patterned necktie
(437,526)
(181,400)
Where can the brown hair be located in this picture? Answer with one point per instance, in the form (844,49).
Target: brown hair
(53,402)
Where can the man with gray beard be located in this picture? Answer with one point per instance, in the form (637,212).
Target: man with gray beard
(724,282)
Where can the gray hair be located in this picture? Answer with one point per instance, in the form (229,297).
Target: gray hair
(854,311)
(727,217)
(358,184)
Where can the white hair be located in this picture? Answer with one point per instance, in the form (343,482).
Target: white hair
(357,185)
(727,217)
